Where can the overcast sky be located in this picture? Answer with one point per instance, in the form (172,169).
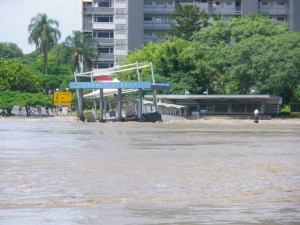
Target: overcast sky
(15,17)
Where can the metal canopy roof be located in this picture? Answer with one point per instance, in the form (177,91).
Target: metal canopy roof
(190,99)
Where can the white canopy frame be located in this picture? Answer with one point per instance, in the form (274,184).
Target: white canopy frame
(101,93)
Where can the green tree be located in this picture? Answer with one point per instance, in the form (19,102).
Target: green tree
(271,64)
(16,77)
(9,99)
(81,48)
(188,19)
(10,51)
(44,34)
(169,65)
(16,81)
(238,29)
(255,24)
(229,57)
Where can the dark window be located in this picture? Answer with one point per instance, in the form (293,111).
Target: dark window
(103,64)
(106,50)
(104,3)
(147,18)
(103,19)
(103,34)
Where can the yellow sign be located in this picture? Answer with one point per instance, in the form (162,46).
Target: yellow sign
(62,98)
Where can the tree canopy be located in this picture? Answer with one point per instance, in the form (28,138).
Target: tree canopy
(10,51)
(16,77)
(230,57)
(186,20)
(19,86)
(82,48)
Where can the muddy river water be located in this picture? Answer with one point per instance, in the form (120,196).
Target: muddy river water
(71,173)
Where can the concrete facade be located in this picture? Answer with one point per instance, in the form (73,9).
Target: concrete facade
(294,15)
(249,6)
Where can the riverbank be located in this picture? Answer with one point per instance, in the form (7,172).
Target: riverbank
(230,120)
(207,119)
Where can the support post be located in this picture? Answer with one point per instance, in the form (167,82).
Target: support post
(80,104)
(101,105)
(138,71)
(119,104)
(140,104)
(154,90)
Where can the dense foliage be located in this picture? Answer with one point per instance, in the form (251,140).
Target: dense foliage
(246,55)
(250,55)
(186,20)
(19,86)
(10,51)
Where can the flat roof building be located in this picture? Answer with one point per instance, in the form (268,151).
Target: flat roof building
(123,25)
(225,104)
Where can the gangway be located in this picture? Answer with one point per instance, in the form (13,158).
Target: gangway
(116,87)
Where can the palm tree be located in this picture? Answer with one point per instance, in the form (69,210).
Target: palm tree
(84,49)
(44,34)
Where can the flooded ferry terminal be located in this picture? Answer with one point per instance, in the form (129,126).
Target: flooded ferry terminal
(71,173)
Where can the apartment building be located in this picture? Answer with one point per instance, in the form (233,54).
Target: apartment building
(123,25)
(117,25)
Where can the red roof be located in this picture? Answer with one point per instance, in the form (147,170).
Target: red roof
(104,78)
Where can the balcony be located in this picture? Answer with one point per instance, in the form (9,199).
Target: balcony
(224,11)
(274,11)
(104,26)
(159,10)
(103,10)
(105,56)
(153,39)
(105,41)
(157,26)
(87,10)
(87,27)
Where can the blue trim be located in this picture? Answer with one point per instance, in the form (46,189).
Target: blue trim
(117,85)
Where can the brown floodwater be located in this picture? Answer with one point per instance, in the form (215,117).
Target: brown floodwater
(71,173)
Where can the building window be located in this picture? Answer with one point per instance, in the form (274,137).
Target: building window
(170,2)
(147,18)
(103,19)
(159,19)
(103,3)
(148,33)
(105,50)
(264,3)
(160,3)
(148,3)
(103,64)
(216,4)
(280,19)
(103,34)
(281,3)
(228,3)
